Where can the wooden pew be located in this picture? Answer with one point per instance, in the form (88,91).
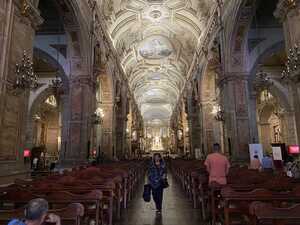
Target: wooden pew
(92,201)
(117,182)
(70,215)
(266,214)
(238,202)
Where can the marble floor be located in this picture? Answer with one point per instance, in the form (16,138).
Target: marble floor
(177,209)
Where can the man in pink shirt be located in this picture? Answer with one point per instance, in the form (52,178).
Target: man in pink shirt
(217,166)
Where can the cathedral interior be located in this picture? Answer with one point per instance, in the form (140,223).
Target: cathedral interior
(83,81)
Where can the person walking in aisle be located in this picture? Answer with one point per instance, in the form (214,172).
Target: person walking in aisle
(157,176)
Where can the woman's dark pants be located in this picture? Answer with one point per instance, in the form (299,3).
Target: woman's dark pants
(158,197)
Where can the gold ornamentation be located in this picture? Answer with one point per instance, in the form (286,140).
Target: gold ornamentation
(25,8)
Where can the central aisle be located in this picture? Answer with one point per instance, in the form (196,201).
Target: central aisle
(177,210)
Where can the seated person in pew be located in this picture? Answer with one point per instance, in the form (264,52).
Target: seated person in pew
(267,163)
(36,213)
(217,166)
(255,163)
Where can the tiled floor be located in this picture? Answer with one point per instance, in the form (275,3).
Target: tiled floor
(177,210)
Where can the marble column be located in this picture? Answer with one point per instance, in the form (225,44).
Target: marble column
(194,124)
(252,103)
(288,12)
(288,127)
(208,133)
(107,144)
(76,139)
(17,31)
(234,100)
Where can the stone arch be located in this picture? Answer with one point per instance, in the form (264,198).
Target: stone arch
(53,62)
(72,18)
(33,110)
(236,34)
(75,26)
(274,48)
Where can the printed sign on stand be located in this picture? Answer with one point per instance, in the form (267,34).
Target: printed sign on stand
(256,149)
(277,154)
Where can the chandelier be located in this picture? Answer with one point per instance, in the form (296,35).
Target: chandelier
(262,81)
(26,78)
(56,83)
(292,66)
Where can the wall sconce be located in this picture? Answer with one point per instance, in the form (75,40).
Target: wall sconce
(179,135)
(98,116)
(36,117)
(25,8)
(218,113)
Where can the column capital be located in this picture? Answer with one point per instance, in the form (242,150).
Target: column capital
(28,10)
(233,76)
(82,80)
(284,7)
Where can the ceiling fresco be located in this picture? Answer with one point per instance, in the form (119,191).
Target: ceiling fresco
(156,42)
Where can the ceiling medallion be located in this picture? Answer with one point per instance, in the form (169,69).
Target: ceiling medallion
(155,14)
(155,47)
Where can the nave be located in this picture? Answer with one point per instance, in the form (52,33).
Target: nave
(177,209)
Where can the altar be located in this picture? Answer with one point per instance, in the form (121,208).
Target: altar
(157,144)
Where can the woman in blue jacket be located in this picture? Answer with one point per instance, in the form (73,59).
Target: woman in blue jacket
(156,175)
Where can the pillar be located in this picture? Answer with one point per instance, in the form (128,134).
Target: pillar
(17,31)
(234,100)
(288,12)
(78,122)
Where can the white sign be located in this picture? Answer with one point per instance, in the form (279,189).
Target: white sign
(277,154)
(198,153)
(256,149)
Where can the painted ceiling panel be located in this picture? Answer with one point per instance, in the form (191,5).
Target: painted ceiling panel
(156,41)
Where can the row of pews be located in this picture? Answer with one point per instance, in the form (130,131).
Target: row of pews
(83,195)
(249,198)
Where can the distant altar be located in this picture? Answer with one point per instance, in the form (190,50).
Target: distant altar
(157,144)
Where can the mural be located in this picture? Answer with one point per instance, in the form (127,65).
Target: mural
(155,47)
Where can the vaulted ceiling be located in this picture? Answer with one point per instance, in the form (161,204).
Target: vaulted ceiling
(156,41)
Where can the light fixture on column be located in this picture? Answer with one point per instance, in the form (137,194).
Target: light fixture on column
(262,81)
(98,116)
(292,66)
(218,113)
(25,7)
(25,76)
(36,117)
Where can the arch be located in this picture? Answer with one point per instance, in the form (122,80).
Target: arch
(274,48)
(71,16)
(53,62)
(34,107)
(42,97)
